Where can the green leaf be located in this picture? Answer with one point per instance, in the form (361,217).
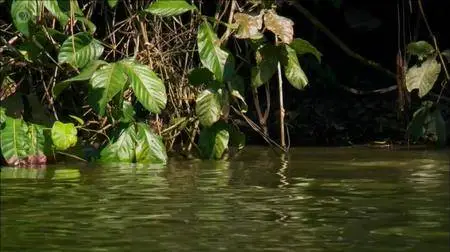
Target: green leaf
(169,8)
(81,52)
(293,71)
(416,128)
(208,106)
(267,58)
(105,84)
(237,88)
(121,150)
(54,7)
(211,55)
(91,26)
(112,3)
(199,76)
(423,77)
(248,26)
(149,146)
(147,86)
(14,140)
(281,26)
(213,141)
(437,126)
(85,74)
(237,138)
(302,46)
(37,143)
(421,49)
(76,118)
(64,135)
(128,112)
(23,12)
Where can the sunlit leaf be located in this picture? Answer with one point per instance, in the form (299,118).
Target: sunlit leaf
(282,27)
(421,49)
(423,77)
(76,118)
(55,9)
(211,55)
(64,135)
(149,146)
(82,51)
(293,71)
(213,141)
(147,86)
(248,26)
(267,58)
(302,46)
(37,144)
(121,150)
(168,8)
(85,74)
(13,140)
(208,106)
(105,83)
(23,12)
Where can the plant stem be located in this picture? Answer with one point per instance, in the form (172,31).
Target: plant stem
(280,89)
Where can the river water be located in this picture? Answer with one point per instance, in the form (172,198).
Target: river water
(313,199)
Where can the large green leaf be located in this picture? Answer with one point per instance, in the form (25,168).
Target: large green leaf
(168,8)
(421,49)
(14,140)
(121,150)
(213,141)
(54,7)
(267,58)
(211,55)
(149,146)
(423,77)
(23,12)
(105,83)
(208,106)
(64,135)
(302,46)
(147,86)
(38,143)
(85,74)
(79,50)
(127,112)
(416,127)
(293,71)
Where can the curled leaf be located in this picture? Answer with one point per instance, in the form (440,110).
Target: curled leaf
(248,26)
(282,27)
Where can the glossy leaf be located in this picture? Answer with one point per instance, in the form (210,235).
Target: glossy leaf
(267,58)
(208,106)
(168,8)
(211,55)
(85,74)
(213,141)
(64,135)
(147,86)
(55,9)
(199,76)
(37,144)
(248,26)
(302,46)
(293,71)
(23,12)
(128,112)
(149,146)
(81,52)
(121,150)
(421,49)
(14,140)
(105,83)
(282,27)
(423,77)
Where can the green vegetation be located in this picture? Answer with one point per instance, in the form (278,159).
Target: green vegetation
(159,76)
